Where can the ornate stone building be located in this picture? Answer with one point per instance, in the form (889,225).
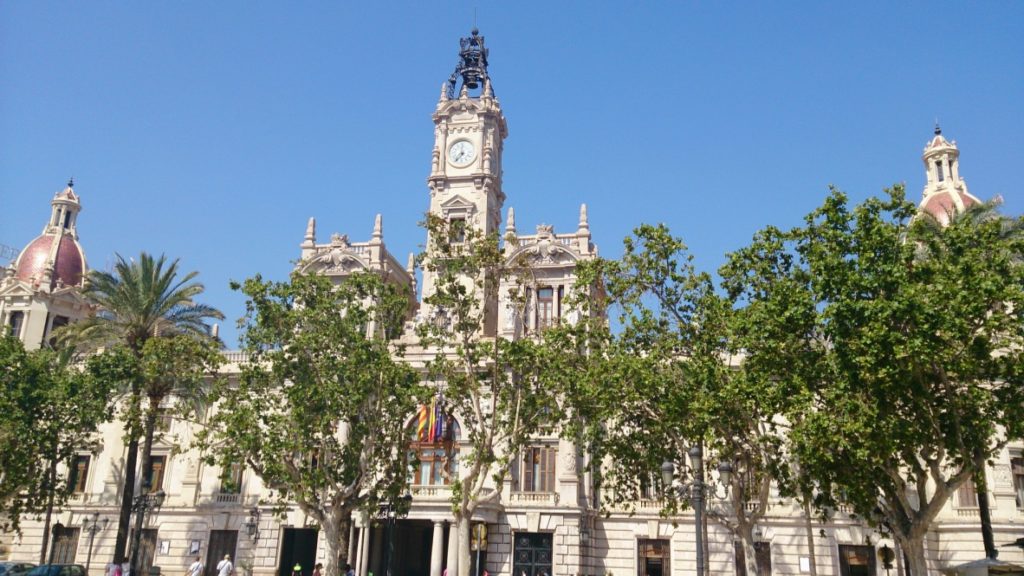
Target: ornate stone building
(547,520)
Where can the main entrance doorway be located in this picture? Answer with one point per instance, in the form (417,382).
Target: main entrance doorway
(532,554)
(298,546)
(411,553)
(222,542)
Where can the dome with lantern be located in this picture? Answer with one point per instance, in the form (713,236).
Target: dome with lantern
(55,259)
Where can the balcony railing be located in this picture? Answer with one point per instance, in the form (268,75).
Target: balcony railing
(534,498)
(227,499)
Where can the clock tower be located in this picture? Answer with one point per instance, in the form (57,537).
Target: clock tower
(469,134)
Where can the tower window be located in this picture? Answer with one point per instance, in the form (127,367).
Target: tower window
(942,175)
(545,307)
(457,230)
(15,322)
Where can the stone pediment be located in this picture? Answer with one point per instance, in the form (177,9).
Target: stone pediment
(339,259)
(16,289)
(545,253)
(457,202)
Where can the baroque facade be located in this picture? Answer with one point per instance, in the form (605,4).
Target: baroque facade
(548,520)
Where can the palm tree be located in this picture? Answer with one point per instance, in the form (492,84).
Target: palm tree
(139,300)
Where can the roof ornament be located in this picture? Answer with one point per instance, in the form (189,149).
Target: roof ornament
(472,66)
(938,129)
(378,228)
(71,182)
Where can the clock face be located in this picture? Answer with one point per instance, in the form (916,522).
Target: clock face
(461,153)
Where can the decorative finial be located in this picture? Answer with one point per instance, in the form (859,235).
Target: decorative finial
(378,228)
(938,129)
(444,92)
(488,92)
(510,222)
(584,224)
(71,182)
(410,264)
(311,231)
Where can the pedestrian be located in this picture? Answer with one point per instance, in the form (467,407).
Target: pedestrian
(318,569)
(195,568)
(297,569)
(349,571)
(225,567)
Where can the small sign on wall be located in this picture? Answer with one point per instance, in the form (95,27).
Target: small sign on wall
(165,547)
(193,547)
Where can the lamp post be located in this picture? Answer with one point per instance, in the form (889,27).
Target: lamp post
(142,505)
(696,492)
(390,510)
(93,525)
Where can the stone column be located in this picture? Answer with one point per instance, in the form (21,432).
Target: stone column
(351,554)
(364,548)
(437,549)
(453,550)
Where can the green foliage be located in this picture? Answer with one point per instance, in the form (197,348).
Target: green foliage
(905,340)
(49,412)
(491,383)
(320,407)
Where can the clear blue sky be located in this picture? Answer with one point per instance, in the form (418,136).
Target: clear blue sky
(212,131)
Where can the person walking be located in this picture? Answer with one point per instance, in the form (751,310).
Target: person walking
(318,569)
(195,568)
(225,567)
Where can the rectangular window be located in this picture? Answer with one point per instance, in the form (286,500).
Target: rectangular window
(1017,469)
(545,307)
(654,558)
(231,479)
(155,474)
(537,473)
(79,473)
(942,175)
(856,560)
(435,468)
(966,496)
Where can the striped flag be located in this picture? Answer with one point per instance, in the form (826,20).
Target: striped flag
(433,420)
(421,428)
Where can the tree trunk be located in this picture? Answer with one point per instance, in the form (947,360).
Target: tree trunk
(124,516)
(746,534)
(981,488)
(464,556)
(810,536)
(913,548)
(336,535)
(140,515)
(51,481)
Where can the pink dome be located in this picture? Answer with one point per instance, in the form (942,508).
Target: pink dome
(68,268)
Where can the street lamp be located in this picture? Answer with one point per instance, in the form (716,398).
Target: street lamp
(93,525)
(390,511)
(252,525)
(696,492)
(142,505)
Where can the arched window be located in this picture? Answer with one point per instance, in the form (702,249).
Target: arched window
(435,445)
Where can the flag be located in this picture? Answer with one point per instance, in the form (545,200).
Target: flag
(433,420)
(438,421)
(421,429)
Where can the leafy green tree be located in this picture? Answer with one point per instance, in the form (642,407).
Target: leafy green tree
(319,409)
(138,300)
(671,377)
(491,383)
(49,413)
(910,344)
